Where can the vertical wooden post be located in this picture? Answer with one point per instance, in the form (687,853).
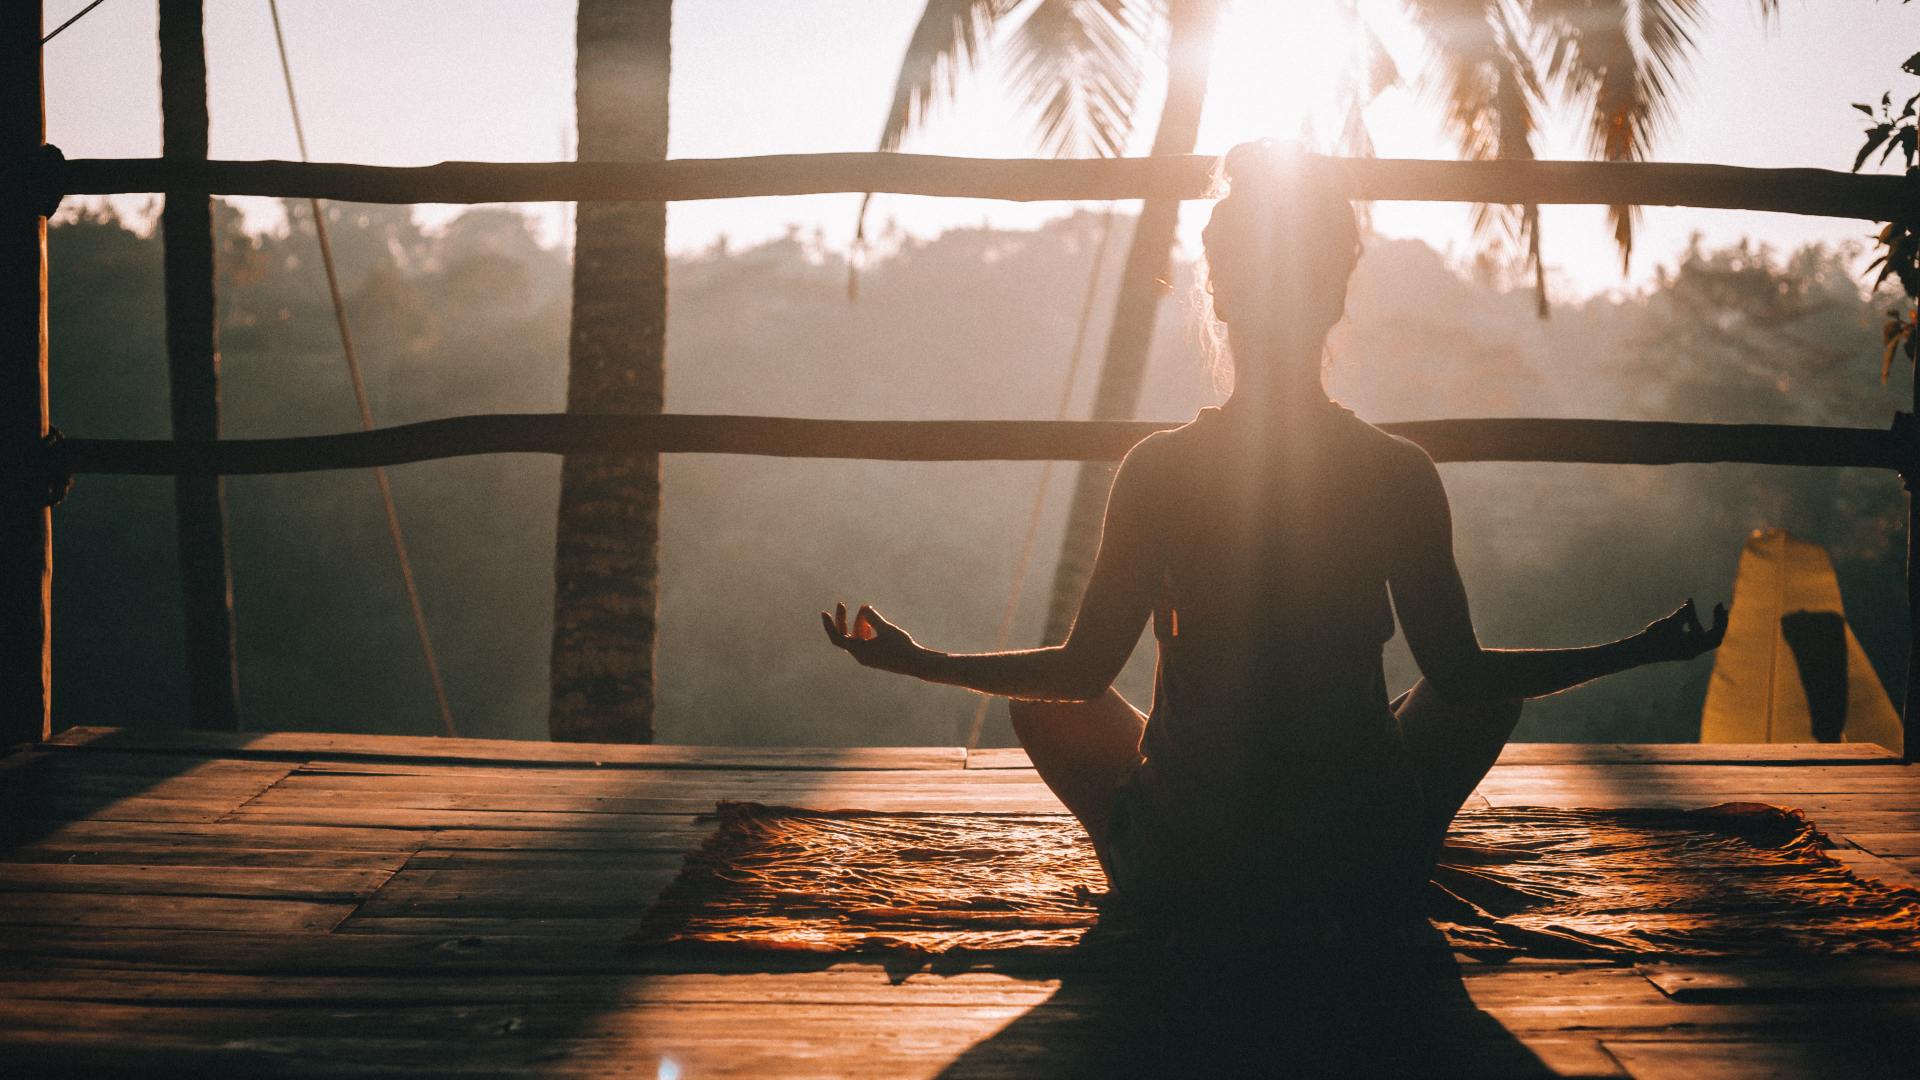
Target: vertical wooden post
(26,522)
(193,366)
(607,551)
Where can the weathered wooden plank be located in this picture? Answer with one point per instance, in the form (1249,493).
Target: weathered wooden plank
(508,884)
(1891,1019)
(1866,864)
(655,782)
(1831,1058)
(148,855)
(1867,821)
(420,748)
(200,787)
(606,932)
(225,914)
(685,832)
(1816,976)
(857,986)
(1587,984)
(375,807)
(188,950)
(57,762)
(999,757)
(1815,778)
(1695,754)
(178,811)
(129,835)
(1763,754)
(278,883)
(1581,1058)
(1887,843)
(1683,797)
(194,796)
(436,821)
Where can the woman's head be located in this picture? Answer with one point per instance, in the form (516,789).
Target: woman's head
(1281,245)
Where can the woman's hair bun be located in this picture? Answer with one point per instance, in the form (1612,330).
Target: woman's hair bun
(1272,165)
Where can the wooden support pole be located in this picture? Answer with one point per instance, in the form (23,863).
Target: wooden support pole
(1608,442)
(1820,192)
(193,365)
(26,522)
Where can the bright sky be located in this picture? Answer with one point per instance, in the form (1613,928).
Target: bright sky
(412,83)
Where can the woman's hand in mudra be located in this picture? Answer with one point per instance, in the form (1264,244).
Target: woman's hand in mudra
(1680,636)
(872,640)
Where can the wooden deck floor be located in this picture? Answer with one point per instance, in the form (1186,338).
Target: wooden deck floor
(334,906)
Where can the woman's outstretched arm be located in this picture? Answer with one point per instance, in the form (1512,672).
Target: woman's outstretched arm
(1432,605)
(1126,579)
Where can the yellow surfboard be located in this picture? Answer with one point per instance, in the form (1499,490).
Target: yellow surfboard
(1790,670)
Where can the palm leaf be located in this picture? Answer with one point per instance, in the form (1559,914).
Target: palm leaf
(1373,72)
(948,38)
(1483,74)
(1619,61)
(1078,64)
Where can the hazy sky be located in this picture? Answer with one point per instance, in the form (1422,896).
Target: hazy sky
(411,82)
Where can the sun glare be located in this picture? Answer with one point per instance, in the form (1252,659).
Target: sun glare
(1278,70)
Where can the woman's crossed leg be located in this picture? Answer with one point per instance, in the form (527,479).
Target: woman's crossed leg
(1085,751)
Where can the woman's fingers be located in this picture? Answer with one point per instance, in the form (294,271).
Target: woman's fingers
(840,618)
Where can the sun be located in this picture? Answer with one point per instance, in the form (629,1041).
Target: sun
(1279,69)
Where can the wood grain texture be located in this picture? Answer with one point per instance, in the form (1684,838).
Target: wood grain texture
(385,909)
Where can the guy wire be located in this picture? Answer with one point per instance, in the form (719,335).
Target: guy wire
(360,391)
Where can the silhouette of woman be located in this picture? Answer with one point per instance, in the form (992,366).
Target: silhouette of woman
(1272,540)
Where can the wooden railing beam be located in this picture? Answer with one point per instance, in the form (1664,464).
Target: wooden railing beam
(1617,442)
(1820,192)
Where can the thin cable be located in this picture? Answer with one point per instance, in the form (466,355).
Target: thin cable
(1046,473)
(360,391)
(70,22)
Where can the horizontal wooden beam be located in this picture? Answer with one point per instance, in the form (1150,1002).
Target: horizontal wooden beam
(1621,442)
(1819,192)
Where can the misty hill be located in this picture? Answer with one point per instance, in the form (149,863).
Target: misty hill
(978,323)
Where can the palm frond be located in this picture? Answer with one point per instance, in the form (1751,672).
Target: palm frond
(1483,73)
(1620,62)
(1483,76)
(948,39)
(1078,64)
(1372,73)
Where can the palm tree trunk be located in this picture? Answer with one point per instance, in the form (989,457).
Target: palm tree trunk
(607,554)
(1143,284)
(193,370)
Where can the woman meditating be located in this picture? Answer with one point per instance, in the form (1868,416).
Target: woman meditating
(1272,540)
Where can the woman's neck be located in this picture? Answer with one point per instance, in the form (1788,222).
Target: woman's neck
(1276,376)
